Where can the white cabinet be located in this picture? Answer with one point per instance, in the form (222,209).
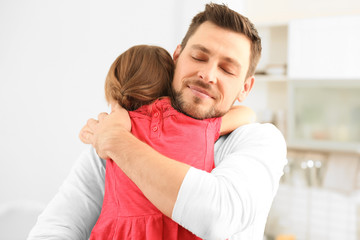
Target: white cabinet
(313,214)
(324,48)
(310,69)
(324,114)
(318,48)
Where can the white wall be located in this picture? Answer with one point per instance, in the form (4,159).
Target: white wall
(54,56)
(281,11)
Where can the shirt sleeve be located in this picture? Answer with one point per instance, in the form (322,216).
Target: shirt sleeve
(74,210)
(239,191)
(217,125)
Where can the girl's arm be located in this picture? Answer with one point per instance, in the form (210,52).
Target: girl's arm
(236,117)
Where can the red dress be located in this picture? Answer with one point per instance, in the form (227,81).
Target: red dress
(126,213)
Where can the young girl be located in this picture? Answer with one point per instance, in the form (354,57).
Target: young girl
(140,81)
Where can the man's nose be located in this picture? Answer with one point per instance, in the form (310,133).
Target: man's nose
(208,73)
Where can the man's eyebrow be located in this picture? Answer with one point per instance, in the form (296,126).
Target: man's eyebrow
(233,62)
(201,48)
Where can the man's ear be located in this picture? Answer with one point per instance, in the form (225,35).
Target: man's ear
(248,84)
(177,53)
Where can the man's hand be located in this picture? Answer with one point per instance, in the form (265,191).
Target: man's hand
(103,133)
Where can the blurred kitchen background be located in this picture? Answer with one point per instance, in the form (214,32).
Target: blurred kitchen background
(54,56)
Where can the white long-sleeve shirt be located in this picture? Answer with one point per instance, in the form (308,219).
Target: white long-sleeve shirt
(231,202)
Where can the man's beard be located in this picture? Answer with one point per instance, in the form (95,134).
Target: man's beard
(190,107)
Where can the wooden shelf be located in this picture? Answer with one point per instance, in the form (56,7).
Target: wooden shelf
(325,146)
(270,78)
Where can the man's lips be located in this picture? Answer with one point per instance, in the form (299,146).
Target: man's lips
(199,91)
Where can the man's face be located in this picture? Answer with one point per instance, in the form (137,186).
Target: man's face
(210,71)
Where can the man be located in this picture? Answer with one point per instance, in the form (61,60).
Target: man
(215,64)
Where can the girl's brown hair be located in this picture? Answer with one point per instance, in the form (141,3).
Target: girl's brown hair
(138,76)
